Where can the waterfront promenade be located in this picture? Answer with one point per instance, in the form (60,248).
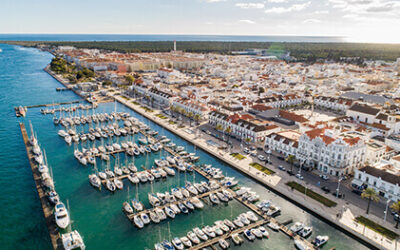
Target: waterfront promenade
(346,212)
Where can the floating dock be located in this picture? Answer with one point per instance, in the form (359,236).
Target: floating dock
(47,209)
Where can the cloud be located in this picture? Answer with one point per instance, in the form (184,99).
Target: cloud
(276,1)
(322,12)
(312,21)
(247,21)
(366,6)
(250,5)
(215,1)
(294,7)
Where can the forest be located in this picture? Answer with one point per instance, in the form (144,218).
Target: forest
(301,51)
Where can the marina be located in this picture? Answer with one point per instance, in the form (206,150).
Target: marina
(97,213)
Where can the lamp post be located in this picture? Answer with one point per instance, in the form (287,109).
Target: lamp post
(337,190)
(387,205)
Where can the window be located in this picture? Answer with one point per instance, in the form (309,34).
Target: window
(359,176)
(367,179)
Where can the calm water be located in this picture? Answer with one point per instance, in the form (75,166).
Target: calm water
(97,214)
(105,37)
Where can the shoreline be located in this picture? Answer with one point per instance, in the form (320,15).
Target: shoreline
(316,209)
(305,205)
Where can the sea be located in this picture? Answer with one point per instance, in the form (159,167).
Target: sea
(221,38)
(98,215)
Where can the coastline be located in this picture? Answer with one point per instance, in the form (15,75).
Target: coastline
(271,182)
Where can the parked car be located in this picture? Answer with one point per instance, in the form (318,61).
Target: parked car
(261,157)
(290,172)
(253,153)
(326,189)
(357,191)
(299,176)
(324,176)
(246,150)
(282,168)
(281,158)
(252,148)
(339,195)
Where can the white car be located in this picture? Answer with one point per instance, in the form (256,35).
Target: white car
(323,176)
(299,176)
(261,158)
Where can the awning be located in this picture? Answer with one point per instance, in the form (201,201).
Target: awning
(357,182)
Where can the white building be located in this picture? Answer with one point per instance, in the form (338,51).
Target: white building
(331,153)
(384,179)
(281,101)
(338,104)
(285,142)
(191,106)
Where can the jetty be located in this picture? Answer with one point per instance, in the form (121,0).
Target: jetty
(47,209)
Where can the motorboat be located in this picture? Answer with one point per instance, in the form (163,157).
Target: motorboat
(305,232)
(169,171)
(127,208)
(213,198)
(218,231)
(177,193)
(263,231)
(193,237)
(185,192)
(53,197)
(138,222)
(200,234)
(118,183)
(62,133)
(116,146)
(178,243)
(243,219)
(160,213)
(273,226)
(227,194)
(154,218)
(133,178)
(155,173)
(301,245)
(150,177)
(197,202)
(137,205)
(61,215)
(169,212)
(238,222)
(249,235)
(189,205)
(175,208)
(167,245)
(95,180)
(171,160)
(223,244)
(251,216)
(320,240)
(209,231)
(43,168)
(154,201)
(162,197)
(72,240)
(296,227)
(110,185)
(183,208)
(222,225)
(236,239)
(145,218)
(191,188)
(256,232)
(229,224)
(222,197)
(185,240)
(273,211)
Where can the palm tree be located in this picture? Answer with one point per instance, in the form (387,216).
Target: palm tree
(228,131)
(396,207)
(290,160)
(219,128)
(371,195)
(197,118)
(190,115)
(248,140)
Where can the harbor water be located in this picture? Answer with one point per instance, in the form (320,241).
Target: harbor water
(98,215)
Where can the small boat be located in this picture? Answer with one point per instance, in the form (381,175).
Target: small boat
(132,167)
(249,235)
(244,220)
(178,243)
(193,237)
(72,240)
(154,201)
(213,198)
(160,213)
(222,197)
(229,224)
(133,178)
(296,227)
(200,234)
(218,230)
(236,239)
(263,231)
(301,245)
(209,231)
(169,212)
(137,205)
(138,222)
(102,175)
(185,240)
(197,202)
(117,171)
(189,205)
(238,223)
(94,180)
(273,226)
(127,208)
(320,240)
(251,216)
(53,197)
(175,208)
(154,218)
(223,244)
(145,218)
(167,245)
(256,232)
(183,208)
(169,171)
(110,185)
(185,192)
(305,232)
(118,183)
(61,215)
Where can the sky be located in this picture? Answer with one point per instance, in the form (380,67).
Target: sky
(358,20)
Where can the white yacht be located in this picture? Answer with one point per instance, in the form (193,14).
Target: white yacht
(72,240)
(61,215)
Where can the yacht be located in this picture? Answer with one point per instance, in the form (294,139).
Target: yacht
(197,202)
(177,193)
(256,232)
(61,215)
(222,197)
(138,222)
(118,183)
(222,225)
(62,133)
(251,216)
(53,197)
(72,240)
(167,245)
(296,227)
(185,240)
(249,235)
(263,231)
(189,205)
(94,180)
(320,240)
(160,213)
(273,226)
(110,185)
(133,178)
(301,245)
(223,244)
(305,232)
(154,218)
(175,208)
(243,219)
(213,198)
(193,237)
(145,218)
(199,233)
(183,208)
(178,243)
(169,212)
(127,208)
(238,222)
(209,231)
(229,224)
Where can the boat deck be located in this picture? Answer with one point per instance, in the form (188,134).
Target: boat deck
(46,207)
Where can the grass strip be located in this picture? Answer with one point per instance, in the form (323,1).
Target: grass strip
(263,169)
(327,202)
(376,227)
(238,156)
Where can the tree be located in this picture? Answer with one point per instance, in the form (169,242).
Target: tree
(190,115)
(197,118)
(261,90)
(248,140)
(371,195)
(228,130)
(290,160)
(396,207)
(129,79)
(219,128)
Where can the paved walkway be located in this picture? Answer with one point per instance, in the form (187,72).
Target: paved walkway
(346,212)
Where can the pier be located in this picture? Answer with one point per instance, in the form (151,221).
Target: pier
(47,209)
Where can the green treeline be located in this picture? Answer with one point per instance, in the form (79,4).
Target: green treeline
(301,51)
